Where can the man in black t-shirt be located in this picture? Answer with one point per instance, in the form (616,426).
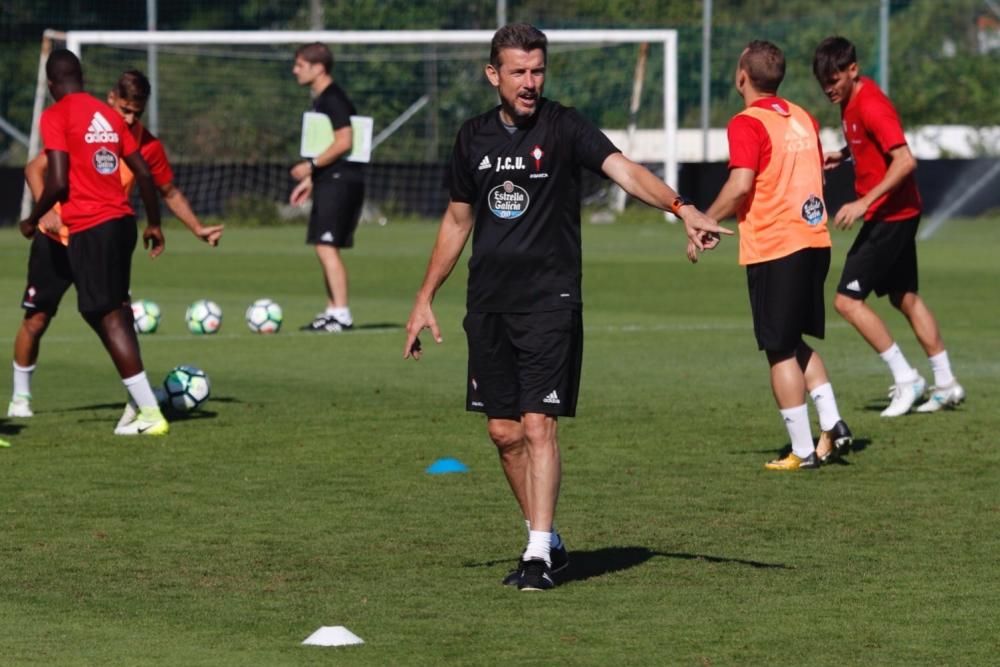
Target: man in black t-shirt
(514,179)
(336,185)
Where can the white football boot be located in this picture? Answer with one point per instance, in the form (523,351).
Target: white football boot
(948,396)
(903,396)
(20,406)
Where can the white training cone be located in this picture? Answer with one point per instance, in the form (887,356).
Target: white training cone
(333,635)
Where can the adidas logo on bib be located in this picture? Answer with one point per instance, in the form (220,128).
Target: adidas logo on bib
(552,398)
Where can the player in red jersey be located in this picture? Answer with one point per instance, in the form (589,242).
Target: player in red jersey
(46,275)
(883,257)
(85,142)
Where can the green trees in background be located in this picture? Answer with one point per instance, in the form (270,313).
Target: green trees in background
(945,58)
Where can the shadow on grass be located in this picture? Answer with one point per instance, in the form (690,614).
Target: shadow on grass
(10,428)
(584,565)
(859,445)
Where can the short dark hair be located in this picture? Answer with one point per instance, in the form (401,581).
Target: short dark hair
(764,63)
(833,55)
(316,54)
(63,66)
(133,86)
(520,36)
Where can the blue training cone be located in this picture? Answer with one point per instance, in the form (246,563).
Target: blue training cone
(445,466)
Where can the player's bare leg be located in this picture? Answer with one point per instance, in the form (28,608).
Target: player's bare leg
(334,274)
(116,330)
(908,385)
(27,343)
(788,385)
(508,436)
(921,320)
(946,392)
(337,316)
(835,436)
(867,322)
(512,447)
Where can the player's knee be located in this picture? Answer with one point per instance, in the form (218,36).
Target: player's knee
(36,323)
(845,305)
(903,301)
(506,435)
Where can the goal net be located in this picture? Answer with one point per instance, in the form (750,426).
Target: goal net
(229,111)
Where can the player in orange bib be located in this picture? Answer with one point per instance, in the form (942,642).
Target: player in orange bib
(48,273)
(775,190)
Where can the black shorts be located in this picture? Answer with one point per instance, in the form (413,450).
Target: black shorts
(101,261)
(336,210)
(524,362)
(786,298)
(883,259)
(49,275)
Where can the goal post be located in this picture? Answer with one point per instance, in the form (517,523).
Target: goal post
(229,106)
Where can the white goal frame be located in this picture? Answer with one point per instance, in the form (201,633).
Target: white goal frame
(77,39)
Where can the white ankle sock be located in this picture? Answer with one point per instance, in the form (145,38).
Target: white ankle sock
(799,431)
(942,369)
(343,315)
(539,545)
(826,406)
(22,379)
(901,370)
(140,391)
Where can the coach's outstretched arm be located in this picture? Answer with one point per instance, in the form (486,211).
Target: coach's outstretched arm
(452,235)
(643,184)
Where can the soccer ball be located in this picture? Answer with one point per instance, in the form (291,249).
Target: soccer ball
(186,387)
(146,315)
(264,316)
(203,317)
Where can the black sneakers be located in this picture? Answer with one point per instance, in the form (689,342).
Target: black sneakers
(324,323)
(559,558)
(536,575)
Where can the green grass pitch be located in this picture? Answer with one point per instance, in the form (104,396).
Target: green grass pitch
(297,497)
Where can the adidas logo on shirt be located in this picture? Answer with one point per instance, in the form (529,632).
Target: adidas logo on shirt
(854,286)
(100,131)
(485,164)
(552,398)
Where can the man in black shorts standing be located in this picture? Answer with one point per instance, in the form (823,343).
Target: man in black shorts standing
(336,185)
(86,142)
(514,180)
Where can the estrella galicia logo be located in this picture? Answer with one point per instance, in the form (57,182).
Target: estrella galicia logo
(812,210)
(105,162)
(508,201)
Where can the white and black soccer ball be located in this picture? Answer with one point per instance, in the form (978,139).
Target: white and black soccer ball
(146,315)
(264,316)
(186,388)
(203,317)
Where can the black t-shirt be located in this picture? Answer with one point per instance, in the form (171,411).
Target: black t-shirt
(333,101)
(525,191)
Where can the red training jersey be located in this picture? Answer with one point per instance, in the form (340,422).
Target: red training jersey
(96,138)
(872,128)
(155,156)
